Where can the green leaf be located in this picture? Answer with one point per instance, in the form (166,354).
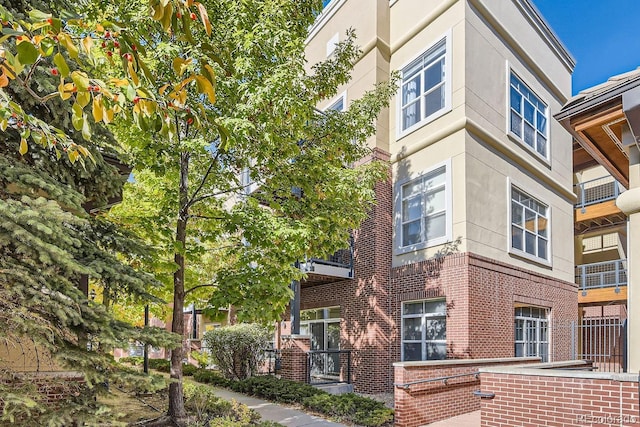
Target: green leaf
(27,53)
(81,80)
(83,98)
(61,64)
(86,129)
(76,117)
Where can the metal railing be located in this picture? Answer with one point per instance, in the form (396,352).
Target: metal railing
(328,366)
(602,274)
(342,258)
(271,362)
(597,191)
(444,380)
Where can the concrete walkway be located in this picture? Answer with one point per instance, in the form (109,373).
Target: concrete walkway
(278,413)
(471,419)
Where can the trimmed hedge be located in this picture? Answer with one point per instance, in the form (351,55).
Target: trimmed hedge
(277,390)
(351,407)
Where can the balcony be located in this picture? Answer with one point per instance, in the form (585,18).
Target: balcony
(326,270)
(596,206)
(602,282)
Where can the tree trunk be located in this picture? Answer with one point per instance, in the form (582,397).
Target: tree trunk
(176,395)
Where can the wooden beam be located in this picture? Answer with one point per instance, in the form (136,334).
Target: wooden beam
(597,211)
(602,158)
(600,119)
(602,296)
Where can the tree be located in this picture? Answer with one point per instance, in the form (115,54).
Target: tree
(215,91)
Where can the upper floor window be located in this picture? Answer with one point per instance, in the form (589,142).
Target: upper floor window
(338,104)
(529,225)
(528,117)
(423,209)
(424,89)
(325,3)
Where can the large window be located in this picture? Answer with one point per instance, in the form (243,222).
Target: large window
(528,118)
(532,332)
(424,203)
(323,325)
(424,91)
(529,225)
(424,327)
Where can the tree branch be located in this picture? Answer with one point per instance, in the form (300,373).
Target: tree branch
(206,285)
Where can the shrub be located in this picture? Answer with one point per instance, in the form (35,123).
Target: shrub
(132,360)
(162,365)
(351,407)
(238,350)
(188,369)
(278,390)
(201,357)
(210,377)
(209,409)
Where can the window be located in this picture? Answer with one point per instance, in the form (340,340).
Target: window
(528,116)
(532,332)
(424,89)
(338,105)
(424,327)
(529,225)
(323,325)
(424,203)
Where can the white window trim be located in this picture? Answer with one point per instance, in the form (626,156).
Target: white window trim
(399,249)
(422,316)
(448,55)
(522,254)
(335,100)
(519,140)
(538,342)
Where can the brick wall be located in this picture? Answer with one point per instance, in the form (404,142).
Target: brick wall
(294,357)
(427,402)
(49,388)
(559,398)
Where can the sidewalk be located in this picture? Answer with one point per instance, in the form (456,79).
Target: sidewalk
(274,412)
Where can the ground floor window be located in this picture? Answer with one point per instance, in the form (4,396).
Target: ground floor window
(424,327)
(532,332)
(323,325)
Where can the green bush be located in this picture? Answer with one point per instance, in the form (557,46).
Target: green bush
(211,377)
(211,410)
(278,390)
(188,369)
(132,360)
(162,365)
(351,407)
(238,350)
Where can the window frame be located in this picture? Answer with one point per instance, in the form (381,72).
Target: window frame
(546,157)
(537,342)
(448,194)
(423,330)
(447,37)
(522,253)
(340,98)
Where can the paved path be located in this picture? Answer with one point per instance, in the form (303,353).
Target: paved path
(471,419)
(274,412)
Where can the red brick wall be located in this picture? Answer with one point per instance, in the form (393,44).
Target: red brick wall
(294,358)
(577,399)
(423,403)
(50,388)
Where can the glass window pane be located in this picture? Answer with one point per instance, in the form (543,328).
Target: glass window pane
(435,201)
(333,336)
(410,90)
(530,243)
(412,188)
(542,226)
(411,233)
(541,124)
(516,123)
(434,101)
(434,179)
(435,307)
(436,329)
(411,69)
(529,112)
(433,75)
(436,225)
(413,308)
(411,209)
(516,100)
(412,351)
(542,248)
(436,351)
(516,214)
(516,238)
(519,349)
(334,313)
(530,220)
(410,115)
(542,145)
(529,135)
(412,329)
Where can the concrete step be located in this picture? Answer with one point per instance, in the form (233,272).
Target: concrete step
(335,388)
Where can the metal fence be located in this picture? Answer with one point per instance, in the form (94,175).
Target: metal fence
(328,366)
(601,340)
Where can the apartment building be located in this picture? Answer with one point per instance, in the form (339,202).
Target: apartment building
(469,251)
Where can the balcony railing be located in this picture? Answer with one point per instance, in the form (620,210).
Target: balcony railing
(602,274)
(597,191)
(328,366)
(339,264)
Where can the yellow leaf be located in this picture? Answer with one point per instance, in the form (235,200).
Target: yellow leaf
(3,124)
(23,146)
(107,115)
(65,90)
(65,40)
(183,83)
(119,82)
(83,150)
(83,98)
(180,65)
(166,16)
(99,28)
(162,90)
(81,80)
(132,74)
(204,17)
(97,108)
(87,44)
(158,11)
(4,80)
(205,87)
(73,156)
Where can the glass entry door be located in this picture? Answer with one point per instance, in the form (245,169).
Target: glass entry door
(323,325)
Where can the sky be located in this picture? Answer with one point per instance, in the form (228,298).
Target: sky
(603,36)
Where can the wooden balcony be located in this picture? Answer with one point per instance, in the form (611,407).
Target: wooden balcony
(596,207)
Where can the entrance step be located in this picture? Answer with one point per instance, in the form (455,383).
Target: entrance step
(335,388)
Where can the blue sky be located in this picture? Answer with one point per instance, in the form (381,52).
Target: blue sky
(602,35)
